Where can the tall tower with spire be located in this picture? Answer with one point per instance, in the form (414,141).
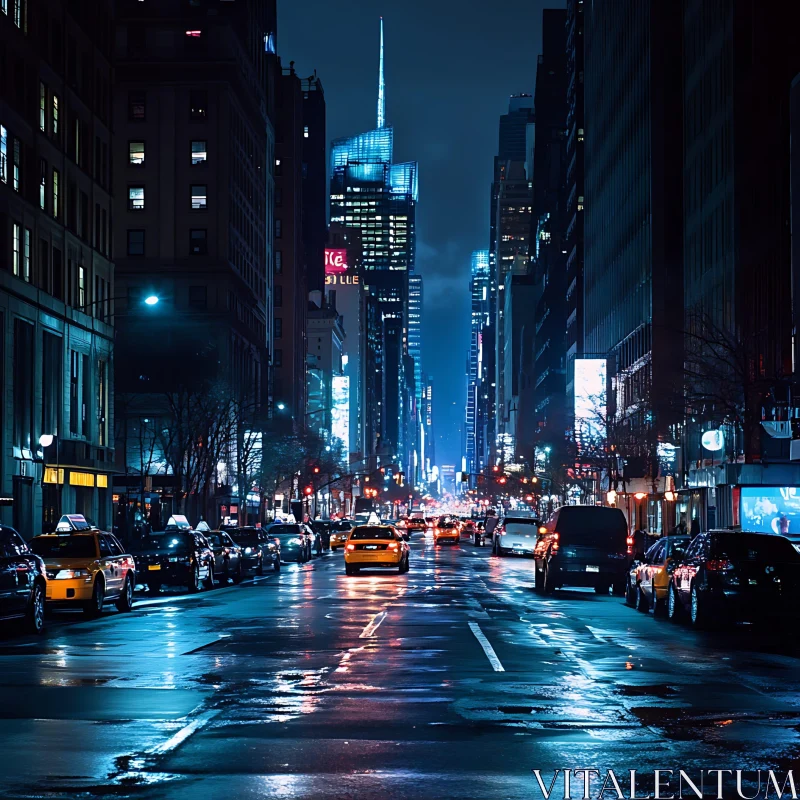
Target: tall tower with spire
(381,88)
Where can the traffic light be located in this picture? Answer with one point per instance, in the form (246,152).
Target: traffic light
(316,470)
(308,490)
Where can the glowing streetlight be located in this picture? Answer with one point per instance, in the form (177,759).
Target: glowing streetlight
(46,439)
(281,406)
(151,300)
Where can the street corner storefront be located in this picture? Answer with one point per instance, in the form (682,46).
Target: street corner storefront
(76,490)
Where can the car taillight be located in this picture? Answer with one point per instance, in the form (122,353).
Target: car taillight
(718,565)
(556,536)
(629,541)
(350,547)
(542,529)
(393,545)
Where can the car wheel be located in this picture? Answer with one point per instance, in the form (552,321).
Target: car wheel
(194,579)
(94,608)
(237,578)
(673,604)
(210,579)
(125,602)
(641,600)
(34,618)
(260,567)
(547,583)
(538,584)
(697,609)
(630,594)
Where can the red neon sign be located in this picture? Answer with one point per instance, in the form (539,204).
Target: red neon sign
(335,262)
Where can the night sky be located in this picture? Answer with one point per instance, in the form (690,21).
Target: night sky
(450,67)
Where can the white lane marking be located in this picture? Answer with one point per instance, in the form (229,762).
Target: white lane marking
(373,625)
(183,734)
(487,648)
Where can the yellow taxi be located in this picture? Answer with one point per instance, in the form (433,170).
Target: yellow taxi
(340,530)
(649,577)
(375,546)
(85,567)
(446,530)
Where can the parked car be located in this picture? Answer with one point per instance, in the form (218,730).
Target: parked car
(728,576)
(294,540)
(23,581)
(85,567)
(649,577)
(176,557)
(228,556)
(583,546)
(340,530)
(259,550)
(517,535)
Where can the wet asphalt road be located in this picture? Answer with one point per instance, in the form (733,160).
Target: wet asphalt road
(453,681)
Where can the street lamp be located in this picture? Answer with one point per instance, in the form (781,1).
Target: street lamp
(281,406)
(151,300)
(46,439)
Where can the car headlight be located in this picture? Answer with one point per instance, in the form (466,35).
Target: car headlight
(69,574)
(296,540)
(248,550)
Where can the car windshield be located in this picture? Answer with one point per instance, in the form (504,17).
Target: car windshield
(342,525)
(285,530)
(215,539)
(371,532)
(245,537)
(70,546)
(753,547)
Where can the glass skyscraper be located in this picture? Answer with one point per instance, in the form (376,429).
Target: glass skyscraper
(415,328)
(480,293)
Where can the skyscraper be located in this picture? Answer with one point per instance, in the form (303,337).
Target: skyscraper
(479,288)
(415,328)
(379,197)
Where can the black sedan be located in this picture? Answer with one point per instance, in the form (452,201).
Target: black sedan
(175,558)
(228,556)
(258,549)
(295,541)
(728,576)
(23,581)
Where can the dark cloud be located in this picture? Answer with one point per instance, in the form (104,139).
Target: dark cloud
(450,67)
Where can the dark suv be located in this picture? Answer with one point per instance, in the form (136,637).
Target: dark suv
(22,581)
(583,546)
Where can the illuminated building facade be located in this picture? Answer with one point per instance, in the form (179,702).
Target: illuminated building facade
(415,328)
(480,290)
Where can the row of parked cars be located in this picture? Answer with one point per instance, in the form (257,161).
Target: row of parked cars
(717,577)
(81,566)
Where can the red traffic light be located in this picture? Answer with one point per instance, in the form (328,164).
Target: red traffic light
(316,470)
(496,468)
(308,490)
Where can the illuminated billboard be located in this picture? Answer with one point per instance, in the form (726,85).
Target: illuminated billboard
(340,414)
(335,262)
(590,400)
(770,509)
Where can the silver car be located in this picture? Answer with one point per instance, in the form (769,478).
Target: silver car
(516,535)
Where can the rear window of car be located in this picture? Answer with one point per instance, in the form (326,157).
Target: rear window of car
(752,547)
(371,532)
(343,525)
(593,526)
(446,525)
(283,530)
(521,523)
(246,538)
(71,546)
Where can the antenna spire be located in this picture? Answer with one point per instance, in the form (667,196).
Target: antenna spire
(381,88)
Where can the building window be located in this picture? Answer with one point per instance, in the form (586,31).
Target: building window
(135,243)
(198,105)
(278,327)
(199,153)
(52,368)
(55,116)
(74,369)
(136,154)
(278,197)
(17,156)
(136,106)
(305,131)
(278,168)
(198,241)
(278,228)
(277,297)
(199,197)
(16,248)
(278,262)
(26,256)
(42,107)
(102,404)
(23,383)
(198,298)
(136,198)
(20,13)
(269,43)
(55,193)
(42,183)
(3,155)
(277,358)
(81,287)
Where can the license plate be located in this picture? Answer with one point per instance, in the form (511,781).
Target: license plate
(371,547)
(154,567)
(590,568)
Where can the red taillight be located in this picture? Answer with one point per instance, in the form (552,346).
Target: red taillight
(350,547)
(629,541)
(542,529)
(718,565)
(556,536)
(393,545)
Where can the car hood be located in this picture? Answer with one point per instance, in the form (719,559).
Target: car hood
(68,563)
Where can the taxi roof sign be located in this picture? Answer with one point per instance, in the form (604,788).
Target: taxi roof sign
(72,522)
(202,526)
(178,521)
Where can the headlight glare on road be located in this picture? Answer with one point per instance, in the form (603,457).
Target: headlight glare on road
(69,574)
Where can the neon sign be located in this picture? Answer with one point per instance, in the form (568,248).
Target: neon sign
(335,262)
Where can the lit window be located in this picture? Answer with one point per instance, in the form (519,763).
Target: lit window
(3,155)
(199,197)
(135,243)
(55,115)
(15,248)
(136,154)
(199,153)
(55,193)
(305,131)
(81,287)
(42,107)
(269,42)
(136,198)
(42,182)
(16,165)
(26,257)
(194,34)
